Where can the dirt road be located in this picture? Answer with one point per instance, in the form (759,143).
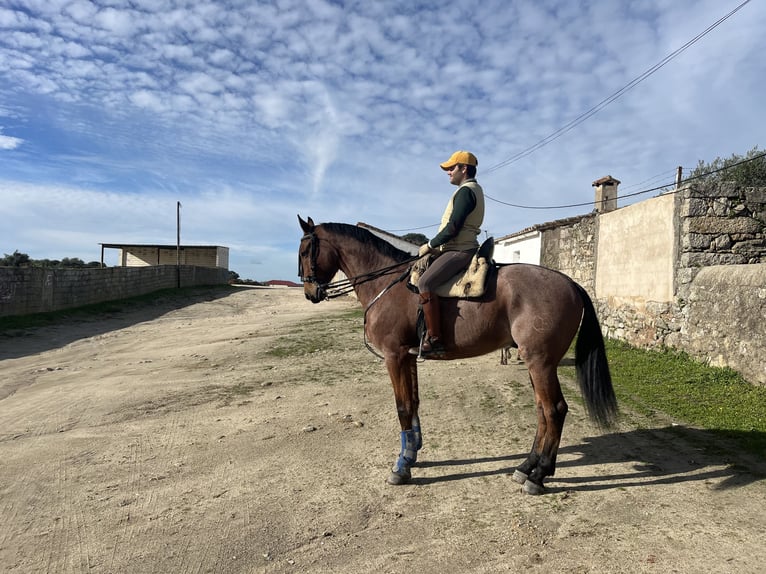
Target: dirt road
(252,432)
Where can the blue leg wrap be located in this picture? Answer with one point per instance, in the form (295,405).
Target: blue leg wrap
(418,432)
(408,454)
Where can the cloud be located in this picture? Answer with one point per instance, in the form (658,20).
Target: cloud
(9,142)
(252,112)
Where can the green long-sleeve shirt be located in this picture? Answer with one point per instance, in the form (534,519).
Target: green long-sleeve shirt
(464,204)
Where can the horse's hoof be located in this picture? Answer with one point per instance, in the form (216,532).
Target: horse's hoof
(397,479)
(519,476)
(533,488)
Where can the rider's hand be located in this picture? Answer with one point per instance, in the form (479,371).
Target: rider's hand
(424,250)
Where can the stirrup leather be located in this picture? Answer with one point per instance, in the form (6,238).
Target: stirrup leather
(428,348)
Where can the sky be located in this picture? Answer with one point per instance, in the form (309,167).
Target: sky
(251,113)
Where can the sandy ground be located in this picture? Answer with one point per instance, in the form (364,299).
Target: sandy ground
(251,431)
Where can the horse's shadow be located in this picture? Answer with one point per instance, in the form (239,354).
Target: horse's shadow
(666,455)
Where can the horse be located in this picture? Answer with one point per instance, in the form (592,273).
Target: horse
(506,353)
(536,309)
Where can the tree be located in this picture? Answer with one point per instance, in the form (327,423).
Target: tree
(748,170)
(416,238)
(72,262)
(15,260)
(22,260)
(45,263)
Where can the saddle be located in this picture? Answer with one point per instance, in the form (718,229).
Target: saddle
(468,283)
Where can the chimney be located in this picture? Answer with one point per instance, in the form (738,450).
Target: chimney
(606,194)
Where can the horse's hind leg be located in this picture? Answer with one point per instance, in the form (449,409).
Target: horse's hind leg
(551,412)
(402,370)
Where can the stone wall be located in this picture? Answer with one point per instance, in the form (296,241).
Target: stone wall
(648,325)
(725,319)
(36,290)
(717,310)
(720,298)
(719,225)
(571,249)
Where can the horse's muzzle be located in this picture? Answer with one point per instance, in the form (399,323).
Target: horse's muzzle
(314,292)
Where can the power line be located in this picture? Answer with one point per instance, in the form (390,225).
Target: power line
(605,102)
(661,187)
(589,203)
(591,112)
(411,228)
(659,176)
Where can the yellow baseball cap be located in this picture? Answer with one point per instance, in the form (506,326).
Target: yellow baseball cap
(464,157)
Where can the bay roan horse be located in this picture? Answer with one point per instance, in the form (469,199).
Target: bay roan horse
(533,308)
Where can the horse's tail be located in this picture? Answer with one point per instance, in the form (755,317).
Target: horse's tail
(593,375)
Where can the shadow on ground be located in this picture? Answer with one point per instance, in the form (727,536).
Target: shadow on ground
(666,455)
(47,331)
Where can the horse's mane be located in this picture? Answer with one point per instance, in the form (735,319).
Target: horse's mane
(368,238)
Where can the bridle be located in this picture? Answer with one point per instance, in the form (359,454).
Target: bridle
(333,289)
(313,250)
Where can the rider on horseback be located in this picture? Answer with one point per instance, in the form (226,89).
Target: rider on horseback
(453,246)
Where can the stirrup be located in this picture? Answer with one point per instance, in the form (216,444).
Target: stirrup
(436,349)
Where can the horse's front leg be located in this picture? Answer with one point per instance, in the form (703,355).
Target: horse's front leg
(402,369)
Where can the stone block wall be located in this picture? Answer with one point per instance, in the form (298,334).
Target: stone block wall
(719,225)
(647,325)
(725,319)
(717,310)
(571,249)
(25,291)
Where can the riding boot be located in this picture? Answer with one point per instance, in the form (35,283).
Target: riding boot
(432,346)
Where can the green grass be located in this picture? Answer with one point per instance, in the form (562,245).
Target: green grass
(286,347)
(672,383)
(317,335)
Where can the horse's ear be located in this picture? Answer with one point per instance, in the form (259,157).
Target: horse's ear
(307,226)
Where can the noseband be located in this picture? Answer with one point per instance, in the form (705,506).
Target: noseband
(334,289)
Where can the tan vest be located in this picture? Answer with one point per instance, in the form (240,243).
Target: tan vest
(466,237)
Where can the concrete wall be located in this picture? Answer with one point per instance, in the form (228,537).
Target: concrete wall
(716,308)
(221,258)
(137,256)
(636,253)
(397,242)
(682,270)
(35,290)
(524,248)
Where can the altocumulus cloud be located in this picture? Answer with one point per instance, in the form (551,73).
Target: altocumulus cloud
(249,112)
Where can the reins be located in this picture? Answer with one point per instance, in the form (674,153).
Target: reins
(334,289)
(345,286)
(399,279)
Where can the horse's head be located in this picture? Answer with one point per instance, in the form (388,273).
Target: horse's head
(317,261)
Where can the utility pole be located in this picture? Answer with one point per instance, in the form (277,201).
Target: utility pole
(679,174)
(178,243)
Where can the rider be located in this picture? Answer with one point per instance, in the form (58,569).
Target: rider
(453,246)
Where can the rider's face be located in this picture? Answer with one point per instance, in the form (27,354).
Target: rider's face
(456,174)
